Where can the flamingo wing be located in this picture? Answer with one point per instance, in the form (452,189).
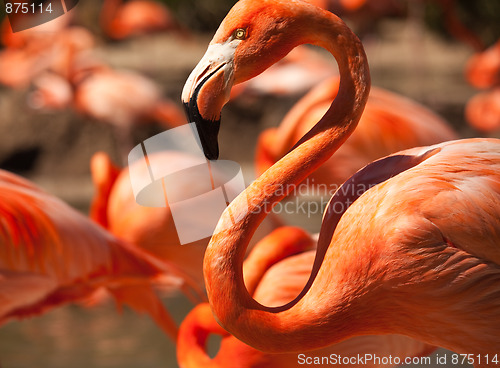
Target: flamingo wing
(22,288)
(448,184)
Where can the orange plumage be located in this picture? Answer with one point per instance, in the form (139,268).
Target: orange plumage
(51,255)
(275,272)
(389,123)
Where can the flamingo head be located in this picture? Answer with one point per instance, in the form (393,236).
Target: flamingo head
(253,36)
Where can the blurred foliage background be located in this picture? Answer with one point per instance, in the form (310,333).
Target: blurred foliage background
(482,17)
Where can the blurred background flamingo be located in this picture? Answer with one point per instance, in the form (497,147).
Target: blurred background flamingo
(483,72)
(152,229)
(124,99)
(52,255)
(68,74)
(120,20)
(389,123)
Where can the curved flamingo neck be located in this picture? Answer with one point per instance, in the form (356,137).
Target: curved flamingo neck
(241,315)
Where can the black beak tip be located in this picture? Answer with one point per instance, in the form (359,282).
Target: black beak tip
(211,151)
(207,130)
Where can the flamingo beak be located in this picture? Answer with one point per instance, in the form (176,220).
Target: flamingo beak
(205,93)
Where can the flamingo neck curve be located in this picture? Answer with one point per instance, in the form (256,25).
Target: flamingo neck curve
(251,322)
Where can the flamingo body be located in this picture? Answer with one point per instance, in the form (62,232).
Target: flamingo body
(389,123)
(136,17)
(51,255)
(37,54)
(121,97)
(483,68)
(483,71)
(483,110)
(151,229)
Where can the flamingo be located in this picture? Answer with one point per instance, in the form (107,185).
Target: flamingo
(483,110)
(123,99)
(55,54)
(52,255)
(152,229)
(483,68)
(275,271)
(123,20)
(389,123)
(415,251)
(483,71)
(41,33)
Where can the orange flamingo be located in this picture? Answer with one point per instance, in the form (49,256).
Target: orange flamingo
(483,68)
(483,110)
(122,20)
(123,99)
(483,71)
(389,123)
(56,53)
(51,255)
(275,272)
(150,228)
(41,33)
(416,251)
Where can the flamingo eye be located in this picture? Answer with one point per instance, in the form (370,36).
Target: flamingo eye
(240,34)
